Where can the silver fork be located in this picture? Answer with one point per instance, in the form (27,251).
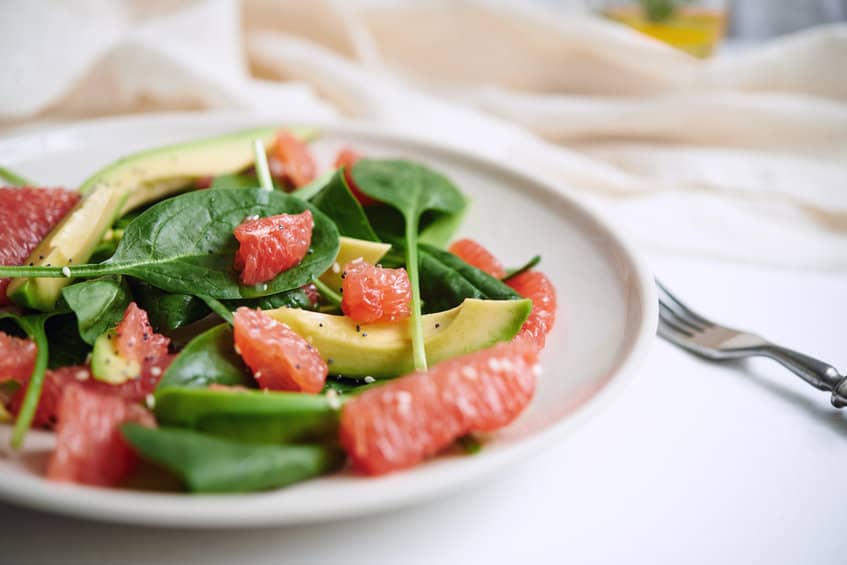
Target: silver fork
(680,325)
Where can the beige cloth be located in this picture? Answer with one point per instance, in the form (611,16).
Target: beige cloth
(742,157)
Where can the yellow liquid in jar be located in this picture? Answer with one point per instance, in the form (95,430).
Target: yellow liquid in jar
(694,30)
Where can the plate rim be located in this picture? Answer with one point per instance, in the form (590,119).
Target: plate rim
(123,506)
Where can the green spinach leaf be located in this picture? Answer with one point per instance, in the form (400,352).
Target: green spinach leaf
(308,191)
(167,311)
(185,244)
(447,280)
(441,228)
(209,464)
(250,416)
(99,305)
(207,359)
(337,202)
(33,326)
(411,189)
(235,180)
(531,264)
(444,276)
(436,227)
(66,346)
(297,298)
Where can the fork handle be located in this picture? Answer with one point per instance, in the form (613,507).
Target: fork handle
(820,375)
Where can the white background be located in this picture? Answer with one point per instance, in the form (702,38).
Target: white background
(692,463)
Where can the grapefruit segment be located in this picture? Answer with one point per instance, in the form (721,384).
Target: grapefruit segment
(401,423)
(291,161)
(89,446)
(17,358)
(537,287)
(474,254)
(26,216)
(375,294)
(279,358)
(269,246)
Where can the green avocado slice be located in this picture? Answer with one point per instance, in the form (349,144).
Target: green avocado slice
(108,366)
(384,350)
(126,184)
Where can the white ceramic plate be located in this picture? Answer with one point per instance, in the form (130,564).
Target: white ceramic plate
(606,320)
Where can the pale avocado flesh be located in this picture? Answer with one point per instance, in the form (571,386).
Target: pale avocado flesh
(350,249)
(383,350)
(126,184)
(107,365)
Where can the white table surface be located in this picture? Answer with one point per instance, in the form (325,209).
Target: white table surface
(692,463)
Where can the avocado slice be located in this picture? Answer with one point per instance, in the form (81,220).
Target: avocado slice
(126,184)
(384,350)
(108,366)
(349,249)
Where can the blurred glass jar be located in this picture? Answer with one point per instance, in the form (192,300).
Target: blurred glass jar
(694,26)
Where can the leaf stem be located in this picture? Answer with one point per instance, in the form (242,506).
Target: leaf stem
(14,178)
(35,329)
(84,271)
(310,190)
(262,171)
(418,348)
(527,266)
(217,307)
(332,297)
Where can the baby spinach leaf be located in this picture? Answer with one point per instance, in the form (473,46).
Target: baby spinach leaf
(33,326)
(296,298)
(241,180)
(99,305)
(218,308)
(209,464)
(167,311)
(207,359)
(185,244)
(66,346)
(411,189)
(235,180)
(441,228)
(447,280)
(308,191)
(337,202)
(490,287)
(249,416)
(532,263)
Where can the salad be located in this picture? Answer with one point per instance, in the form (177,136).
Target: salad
(220,311)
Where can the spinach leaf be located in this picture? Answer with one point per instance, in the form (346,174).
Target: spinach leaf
(99,305)
(411,189)
(532,263)
(210,464)
(337,202)
(249,416)
(235,180)
(470,444)
(167,311)
(185,244)
(308,191)
(440,230)
(66,346)
(33,325)
(297,298)
(444,269)
(14,179)
(447,280)
(436,228)
(207,359)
